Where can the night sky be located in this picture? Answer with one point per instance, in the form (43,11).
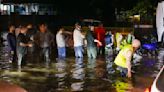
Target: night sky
(98,9)
(102,9)
(86,7)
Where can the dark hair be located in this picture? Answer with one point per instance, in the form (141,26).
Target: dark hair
(78,23)
(22,27)
(10,25)
(42,23)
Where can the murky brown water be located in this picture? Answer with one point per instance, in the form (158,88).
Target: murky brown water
(72,74)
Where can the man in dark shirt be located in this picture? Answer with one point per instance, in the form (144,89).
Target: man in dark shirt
(11,39)
(44,39)
(31,31)
(22,44)
(91,43)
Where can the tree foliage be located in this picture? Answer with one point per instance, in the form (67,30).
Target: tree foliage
(143,8)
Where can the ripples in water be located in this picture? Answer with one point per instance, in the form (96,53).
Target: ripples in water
(78,74)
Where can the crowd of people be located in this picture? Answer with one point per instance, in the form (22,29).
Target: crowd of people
(25,38)
(97,41)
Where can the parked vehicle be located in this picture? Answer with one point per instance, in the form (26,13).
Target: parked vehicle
(158,83)
(86,22)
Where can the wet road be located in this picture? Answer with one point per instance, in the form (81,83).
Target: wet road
(87,75)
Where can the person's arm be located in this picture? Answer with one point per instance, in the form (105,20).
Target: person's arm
(128,56)
(21,43)
(66,32)
(25,45)
(82,35)
(95,40)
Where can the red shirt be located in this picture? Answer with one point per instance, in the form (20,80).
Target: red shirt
(100,35)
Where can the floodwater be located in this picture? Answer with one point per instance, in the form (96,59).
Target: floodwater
(77,74)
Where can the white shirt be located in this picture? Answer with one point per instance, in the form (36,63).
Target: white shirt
(78,38)
(60,39)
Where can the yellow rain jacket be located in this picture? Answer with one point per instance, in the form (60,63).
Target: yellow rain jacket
(120,60)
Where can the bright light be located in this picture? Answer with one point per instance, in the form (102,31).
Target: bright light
(147,90)
(5,7)
(1,6)
(136,16)
(12,8)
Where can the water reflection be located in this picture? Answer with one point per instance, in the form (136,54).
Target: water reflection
(123,86)
(61,74)
(149,62)
(91,64)
(160,62)
(78,75)
(19,69)
(110,64)
(100,70)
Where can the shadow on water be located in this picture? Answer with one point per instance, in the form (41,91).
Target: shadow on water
(78,74)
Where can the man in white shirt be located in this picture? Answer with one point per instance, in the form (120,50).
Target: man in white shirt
(60,41)
(78,38)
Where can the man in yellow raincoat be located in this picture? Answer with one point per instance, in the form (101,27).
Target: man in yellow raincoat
(123,59)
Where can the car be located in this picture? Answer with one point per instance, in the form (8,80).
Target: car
(86,22)
(158,83)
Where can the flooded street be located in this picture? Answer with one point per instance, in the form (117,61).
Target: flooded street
(87,75)
(81,46)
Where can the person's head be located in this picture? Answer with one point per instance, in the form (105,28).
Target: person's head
(23,29)
(42,27)
(91,27)
(61,30)
(100,25)
(11,28)
(136,43)
(132,33)
(29,26)
(78,26)
(108,32)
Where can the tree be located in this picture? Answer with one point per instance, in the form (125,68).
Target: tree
(143,8)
